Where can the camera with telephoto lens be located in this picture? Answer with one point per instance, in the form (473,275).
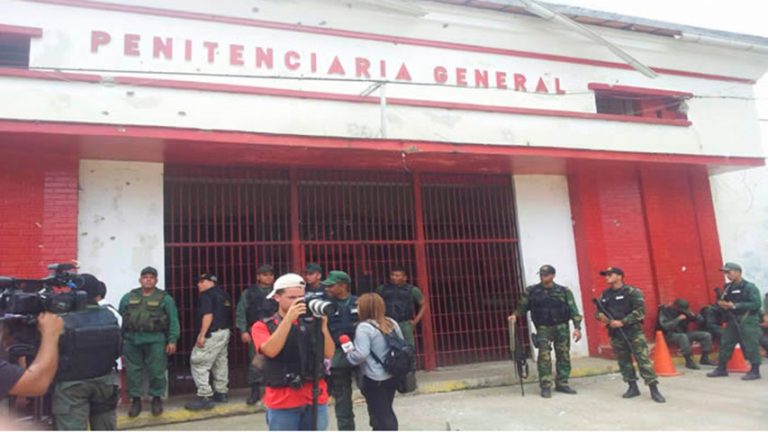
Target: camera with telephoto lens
(317,306)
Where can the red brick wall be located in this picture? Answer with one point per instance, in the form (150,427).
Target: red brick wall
(38,212)
(656,222)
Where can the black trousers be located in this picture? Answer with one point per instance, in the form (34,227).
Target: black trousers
(379,396)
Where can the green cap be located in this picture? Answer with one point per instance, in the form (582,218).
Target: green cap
(730,266)
(336,276)
(682,305)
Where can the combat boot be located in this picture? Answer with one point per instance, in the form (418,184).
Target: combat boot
(719,371)
(632,391)
(546,392)
(655,394)
(704,360)
(202,403)
(220,397)
(690,364)
(157,406)
(255,396)
(752,374)
(135,407)
(565,388)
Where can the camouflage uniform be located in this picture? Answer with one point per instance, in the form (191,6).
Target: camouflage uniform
(542,302)
(628,306)
(676,330)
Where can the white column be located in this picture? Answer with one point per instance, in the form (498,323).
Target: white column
(120,223)
(546,235)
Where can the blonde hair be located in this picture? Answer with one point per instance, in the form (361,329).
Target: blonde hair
(371,306)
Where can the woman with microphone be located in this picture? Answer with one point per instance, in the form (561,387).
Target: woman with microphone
(378,386)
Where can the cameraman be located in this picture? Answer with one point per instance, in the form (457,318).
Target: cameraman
(86,391)
(35,380)
(287,342)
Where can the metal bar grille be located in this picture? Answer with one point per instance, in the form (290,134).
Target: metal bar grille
(230,220)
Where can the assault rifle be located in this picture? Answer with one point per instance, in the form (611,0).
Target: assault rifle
(518,356)
(730,316)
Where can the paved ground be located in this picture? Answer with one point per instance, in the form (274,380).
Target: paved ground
(694,402)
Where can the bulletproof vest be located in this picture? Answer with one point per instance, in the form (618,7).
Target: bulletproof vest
(89,345)
(399,301)
(546,308)
(258,305)
(145,313)
(617,302)
(293,366)
(736,293)
(344,319)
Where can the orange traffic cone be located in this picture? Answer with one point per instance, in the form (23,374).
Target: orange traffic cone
(737,363)
(662,361)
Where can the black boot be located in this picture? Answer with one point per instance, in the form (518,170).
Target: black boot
(135,407)
(220,397)
(705,359)
(719,371)
(565,388)
(201,403)
(632,391)
(752,374)
(255,396)
(655,394)
(157,406)
(546,392)
(690,364)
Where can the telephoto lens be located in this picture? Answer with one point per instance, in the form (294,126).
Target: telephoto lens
(320,307)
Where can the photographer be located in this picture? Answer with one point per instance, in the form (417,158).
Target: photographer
(86,391)
(342,322)
(294,358)
(35,380)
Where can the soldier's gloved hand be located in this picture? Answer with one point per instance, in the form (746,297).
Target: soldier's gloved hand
(170,349)
(245,337)
(576,335)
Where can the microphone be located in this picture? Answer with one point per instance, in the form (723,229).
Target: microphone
(346,344)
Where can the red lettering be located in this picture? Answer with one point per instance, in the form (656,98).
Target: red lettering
(481,78)
(558,90)
(313,62)
(211,47)
(441,75)
(99,38)
(236,55)
(383,68)
(188,50)
(265,58)
(403,74)
(362,66)
(336,67)
(541,87)
(131,45)
(292,60)
(162,46)
(501,80)
(461,76)
(520,82)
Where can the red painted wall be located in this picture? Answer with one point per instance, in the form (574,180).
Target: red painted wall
(38,212)
(654,221)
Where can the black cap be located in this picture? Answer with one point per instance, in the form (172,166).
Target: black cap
(91,285)
(208,276)
(265,268)
(149,270)
(612,270)
(314,268)
(547,270)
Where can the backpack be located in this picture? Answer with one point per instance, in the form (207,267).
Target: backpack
(400,358)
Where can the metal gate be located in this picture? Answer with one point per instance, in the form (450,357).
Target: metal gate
(454,234)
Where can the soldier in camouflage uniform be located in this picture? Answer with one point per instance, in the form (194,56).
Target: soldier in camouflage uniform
(674,320)
(551,306)
(741,303)
(626,307)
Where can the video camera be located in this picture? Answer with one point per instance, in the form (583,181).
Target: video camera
(22,300)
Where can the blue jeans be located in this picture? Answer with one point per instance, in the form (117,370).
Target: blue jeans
(297,418)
